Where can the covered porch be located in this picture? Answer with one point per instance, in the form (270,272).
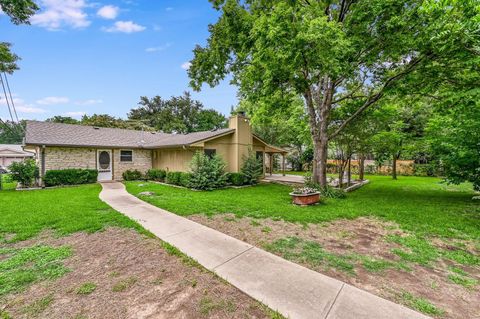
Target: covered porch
(271,151)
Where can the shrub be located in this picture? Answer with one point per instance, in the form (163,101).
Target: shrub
(25,172)
(184,179)
(252,168)
(156,175)
(173,178)
(207,173)
(132,175)
(70,177)
(237,179)
(425,170)
(328,191)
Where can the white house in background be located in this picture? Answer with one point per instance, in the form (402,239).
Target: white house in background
(10,153)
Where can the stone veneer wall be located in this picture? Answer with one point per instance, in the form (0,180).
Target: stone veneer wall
(142,161)
(73,157)
(63,158)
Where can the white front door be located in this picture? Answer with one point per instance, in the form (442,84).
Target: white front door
(104,165)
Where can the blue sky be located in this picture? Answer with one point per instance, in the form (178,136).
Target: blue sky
(82,56)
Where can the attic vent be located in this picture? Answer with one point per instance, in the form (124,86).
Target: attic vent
(96,128)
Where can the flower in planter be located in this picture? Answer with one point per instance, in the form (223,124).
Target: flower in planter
(304,191)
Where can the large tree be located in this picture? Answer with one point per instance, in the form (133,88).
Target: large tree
(180,114)
(19,12)
(330,51)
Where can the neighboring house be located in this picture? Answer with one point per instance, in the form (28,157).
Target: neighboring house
(112,151)
(10,153)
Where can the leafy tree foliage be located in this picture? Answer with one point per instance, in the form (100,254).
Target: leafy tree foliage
(179,114)
(334,51)
(12,133)
(19,12)
(63,119)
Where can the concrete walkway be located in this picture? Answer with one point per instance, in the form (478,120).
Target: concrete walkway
(291,179)
(292,290)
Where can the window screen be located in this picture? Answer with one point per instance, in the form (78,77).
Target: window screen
(126,156)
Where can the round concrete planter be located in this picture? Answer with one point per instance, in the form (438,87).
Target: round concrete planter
(305,199)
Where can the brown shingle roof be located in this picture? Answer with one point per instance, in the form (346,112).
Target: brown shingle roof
(58,134)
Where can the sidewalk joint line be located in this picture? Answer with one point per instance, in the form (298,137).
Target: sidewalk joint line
(334,300)
(230,259)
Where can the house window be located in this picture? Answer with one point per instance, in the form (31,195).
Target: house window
(210,152)
(126,156)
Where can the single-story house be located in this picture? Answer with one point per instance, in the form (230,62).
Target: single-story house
(112,151)
(10,153)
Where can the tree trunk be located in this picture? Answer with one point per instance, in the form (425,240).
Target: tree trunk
(320,161)
(349,171)
(394,167)
(361,167)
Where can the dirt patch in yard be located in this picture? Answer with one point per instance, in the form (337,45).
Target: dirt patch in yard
(118,273)
(360,253)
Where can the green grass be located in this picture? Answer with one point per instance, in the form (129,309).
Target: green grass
(38,306)
(421,304)
(7,183)
(24,214)
(24,266)
(422,205)
(86,288)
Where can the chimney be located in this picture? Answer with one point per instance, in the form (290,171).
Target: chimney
(242,138)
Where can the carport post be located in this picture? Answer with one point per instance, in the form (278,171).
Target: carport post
(283,164)
(271,163)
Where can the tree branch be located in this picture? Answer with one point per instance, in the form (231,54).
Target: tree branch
(375,97)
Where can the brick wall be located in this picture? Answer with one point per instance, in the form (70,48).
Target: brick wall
(142,161)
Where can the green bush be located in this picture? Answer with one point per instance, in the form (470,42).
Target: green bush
(252,168)
(156,175)
(184,179)
(70,177)
(207,173)
(25,172)
(132,175)
(237,179)
(425,170)
(173,178)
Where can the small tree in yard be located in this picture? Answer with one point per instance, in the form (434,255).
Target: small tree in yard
(207,173)
(252,168)
(24,172)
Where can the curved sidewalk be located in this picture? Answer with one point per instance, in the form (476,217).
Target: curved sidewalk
(292,290)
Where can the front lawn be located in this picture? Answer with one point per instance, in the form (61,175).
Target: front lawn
(415,241)
(60,257)
(25,214)
(419,204)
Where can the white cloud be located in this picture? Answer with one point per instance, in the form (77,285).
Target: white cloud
(168,9)
(159,48)
(89,102)
(157,28)
(30,109)
(23,107)
(108,12)
(75,114)
(186,65)
(125,27)
(49,100)
(59,13)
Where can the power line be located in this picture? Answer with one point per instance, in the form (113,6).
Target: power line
(11,98)
(6,98)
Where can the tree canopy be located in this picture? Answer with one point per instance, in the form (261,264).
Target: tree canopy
(335,51)
(179,114)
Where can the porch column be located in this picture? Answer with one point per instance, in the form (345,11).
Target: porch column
(271,163)
(283,164)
